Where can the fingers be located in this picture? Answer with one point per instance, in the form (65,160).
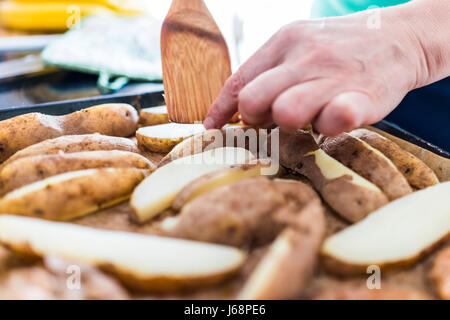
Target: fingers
(300,104)
(226,104)
(256,98)
(344,113)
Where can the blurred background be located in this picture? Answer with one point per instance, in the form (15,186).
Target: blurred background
(112,46)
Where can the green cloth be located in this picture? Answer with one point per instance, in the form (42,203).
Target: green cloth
(331,8)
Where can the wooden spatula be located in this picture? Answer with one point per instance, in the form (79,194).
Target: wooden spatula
(195,60)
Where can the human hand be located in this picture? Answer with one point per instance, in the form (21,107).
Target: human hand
(336,73)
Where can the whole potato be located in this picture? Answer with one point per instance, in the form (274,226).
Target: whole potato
(25,130)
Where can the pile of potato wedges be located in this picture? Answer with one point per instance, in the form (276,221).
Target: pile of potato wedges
(147,208)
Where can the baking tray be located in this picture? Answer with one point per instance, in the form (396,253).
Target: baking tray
(153,96)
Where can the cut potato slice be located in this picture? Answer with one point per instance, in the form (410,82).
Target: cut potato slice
(163,137)
(347,193)
(285,270)
(159,190)
(419,175)
(367,162)
(153,116)
(141,262)
(72,194)
(217,179)
(397,234)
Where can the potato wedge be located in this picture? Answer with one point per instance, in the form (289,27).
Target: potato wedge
(229,136)
(289,264)
(108,119)
(163,137)
(72,194)
(219,178)
(153,116)
(369,163)
(159,190)
(418,174)
(395,235)
(224,216)
(75,143)
(141,262)
(31,169)
(349,194)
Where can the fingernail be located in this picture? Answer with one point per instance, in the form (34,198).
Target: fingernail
(209,123)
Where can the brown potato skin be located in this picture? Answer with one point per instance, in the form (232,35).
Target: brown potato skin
(28,129)
(75,143)
(418,174)
(152,119)
(224,216)
(305,236)
(352,153)
(350,201)
(30,169)
(76,197)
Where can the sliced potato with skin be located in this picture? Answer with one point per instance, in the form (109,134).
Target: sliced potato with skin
(163,137)
(31,169)
(158,191)
(236,136)
(75,143)
(108,119)
(418,174)
(369,163)
(217,179)
(396,235)
(141,262)
(347,193)
(72,194)
(153,116)
(289,264)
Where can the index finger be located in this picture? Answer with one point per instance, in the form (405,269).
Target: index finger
(226,104)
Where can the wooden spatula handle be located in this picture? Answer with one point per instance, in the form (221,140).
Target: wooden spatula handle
(195,60)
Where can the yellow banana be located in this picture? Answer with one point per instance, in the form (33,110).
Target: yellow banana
(51,15)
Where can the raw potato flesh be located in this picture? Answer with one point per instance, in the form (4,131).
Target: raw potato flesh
(75,143)
(216,179)
(158,191)
(347,193)
(229,136)
(153,116)
(163,137)
(25,130)
(289,264)
(31,169)
(395,235)
(418,174)
(72,194)
(142,262)
(369,163)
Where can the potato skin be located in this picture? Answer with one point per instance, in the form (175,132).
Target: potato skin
(151,119)
(351,201)
(75,197)
(157,144)
(440,274)
(28,129)
(224,216)
(418,174)
(75,143)
(30,169)
(355,154)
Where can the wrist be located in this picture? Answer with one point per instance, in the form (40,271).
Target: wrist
(426,24)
